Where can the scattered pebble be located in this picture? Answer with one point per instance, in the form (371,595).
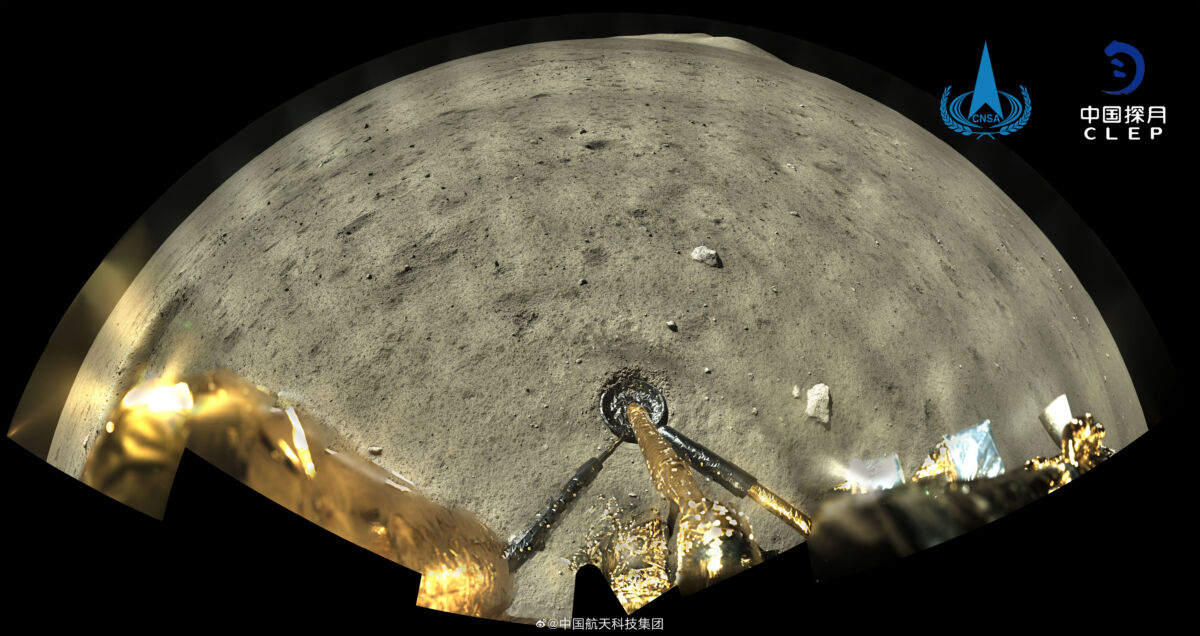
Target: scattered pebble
(633,494)
(375,450)
(818,403)
(706,398)
(707,256)
(794,213)
(672,326)
(578,360)
(754,411)
(582,281)
(796,391)
(707,370)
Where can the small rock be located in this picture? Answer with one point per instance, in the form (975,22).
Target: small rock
(707,370)
(582,281)
(578,360)
(707,256)
(754,411)
(375,450)
(672,326)
(796,391)
(633,494)
(818,403)
(794,213)
(706,398)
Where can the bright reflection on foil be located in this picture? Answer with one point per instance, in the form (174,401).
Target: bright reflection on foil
(301,444)
(241,429)
(968,454)
(160,398)
(973,451)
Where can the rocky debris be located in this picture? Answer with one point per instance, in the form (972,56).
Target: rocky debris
(794,213)
(707,370)
(707,256)
(672,326)
(375,450)
(796,391)
(754,411)
(582,281)
(818,403)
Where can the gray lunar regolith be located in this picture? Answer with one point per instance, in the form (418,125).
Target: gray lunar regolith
(410,266)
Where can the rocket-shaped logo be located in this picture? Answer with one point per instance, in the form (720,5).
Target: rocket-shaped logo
(990,111)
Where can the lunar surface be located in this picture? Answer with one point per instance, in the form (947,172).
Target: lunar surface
(448,267)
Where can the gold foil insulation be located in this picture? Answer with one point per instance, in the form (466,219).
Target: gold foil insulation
(713,541)
(278,452)
(937,463)
(779,507)
(135,458)
(630,549)
(1081,449)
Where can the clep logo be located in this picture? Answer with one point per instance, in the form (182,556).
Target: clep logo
(1123,121)
(987,114)
(1116,48)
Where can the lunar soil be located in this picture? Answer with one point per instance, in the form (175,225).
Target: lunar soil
(448,267)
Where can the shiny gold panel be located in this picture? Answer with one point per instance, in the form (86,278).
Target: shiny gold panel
(243,430)
(713,540)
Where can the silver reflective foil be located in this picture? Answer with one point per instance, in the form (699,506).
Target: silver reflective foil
(973,452)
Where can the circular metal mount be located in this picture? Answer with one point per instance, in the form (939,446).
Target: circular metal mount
(624,392)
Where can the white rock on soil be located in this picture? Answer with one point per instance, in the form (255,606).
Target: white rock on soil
(707,256)
(818,403)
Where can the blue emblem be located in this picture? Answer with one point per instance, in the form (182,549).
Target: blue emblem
(1111,51)
(991,112)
